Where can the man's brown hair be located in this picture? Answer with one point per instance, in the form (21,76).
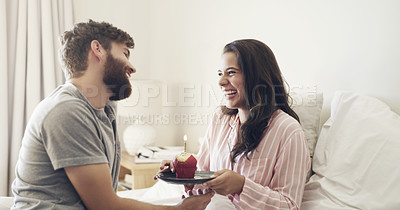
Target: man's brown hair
(75,43)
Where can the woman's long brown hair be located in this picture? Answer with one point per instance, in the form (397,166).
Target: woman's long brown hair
(265,92)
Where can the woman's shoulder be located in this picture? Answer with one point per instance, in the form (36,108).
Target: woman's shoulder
(284,123)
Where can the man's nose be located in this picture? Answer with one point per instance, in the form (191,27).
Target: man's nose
(132,68)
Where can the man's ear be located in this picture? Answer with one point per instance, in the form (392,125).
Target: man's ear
(97,49)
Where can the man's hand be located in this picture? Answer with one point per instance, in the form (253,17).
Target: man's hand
(226,182)
(199,201)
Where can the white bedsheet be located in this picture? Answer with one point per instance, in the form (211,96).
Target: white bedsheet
(6,202)
(170,194)
(161,193)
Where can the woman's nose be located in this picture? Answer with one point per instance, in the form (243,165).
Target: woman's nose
(222,81)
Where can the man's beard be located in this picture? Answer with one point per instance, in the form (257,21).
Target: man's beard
(116,79)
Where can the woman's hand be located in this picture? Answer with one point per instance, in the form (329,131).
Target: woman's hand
(198,191)
(226,182)
(188,187)
(166,166)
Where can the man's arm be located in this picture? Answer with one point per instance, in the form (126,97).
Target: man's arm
(93,184)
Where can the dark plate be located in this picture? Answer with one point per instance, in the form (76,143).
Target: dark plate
(199,177)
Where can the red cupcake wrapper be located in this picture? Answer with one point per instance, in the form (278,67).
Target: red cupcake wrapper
(185,169)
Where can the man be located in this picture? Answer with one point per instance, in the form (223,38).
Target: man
(70,154)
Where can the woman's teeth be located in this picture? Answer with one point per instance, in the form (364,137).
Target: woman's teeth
(230,92)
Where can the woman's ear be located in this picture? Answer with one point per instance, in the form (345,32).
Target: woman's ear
(97,49)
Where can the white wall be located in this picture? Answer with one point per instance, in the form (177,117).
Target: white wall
(333,45)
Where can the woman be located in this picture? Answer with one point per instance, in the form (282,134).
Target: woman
(255,143)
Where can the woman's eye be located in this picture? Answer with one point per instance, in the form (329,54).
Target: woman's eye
(219,74)
(231,72)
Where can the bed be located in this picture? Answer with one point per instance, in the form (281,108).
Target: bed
(307,103)
(354,157)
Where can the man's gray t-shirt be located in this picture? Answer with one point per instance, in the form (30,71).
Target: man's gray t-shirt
(64,130)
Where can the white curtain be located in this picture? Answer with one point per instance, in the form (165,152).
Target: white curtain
(29,39)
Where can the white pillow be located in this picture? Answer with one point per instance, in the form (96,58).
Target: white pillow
(356,161)
(308,105)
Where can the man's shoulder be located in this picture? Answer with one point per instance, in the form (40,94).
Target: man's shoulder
(66,93)
(62,101)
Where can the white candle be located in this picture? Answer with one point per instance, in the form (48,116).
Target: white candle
(185,140)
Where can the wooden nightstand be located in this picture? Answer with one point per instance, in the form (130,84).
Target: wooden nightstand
(142,173)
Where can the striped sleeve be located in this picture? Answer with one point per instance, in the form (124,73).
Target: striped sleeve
(203,162)
(286,188)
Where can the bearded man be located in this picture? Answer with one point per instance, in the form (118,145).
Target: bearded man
(70,153)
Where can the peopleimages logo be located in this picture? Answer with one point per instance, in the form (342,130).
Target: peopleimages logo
(156,103)
(148,93)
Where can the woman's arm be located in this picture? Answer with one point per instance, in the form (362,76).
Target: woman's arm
(287,184)
(285,189)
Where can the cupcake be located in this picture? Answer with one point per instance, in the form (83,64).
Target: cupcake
(185,165)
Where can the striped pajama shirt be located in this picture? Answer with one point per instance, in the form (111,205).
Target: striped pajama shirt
(275,172)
